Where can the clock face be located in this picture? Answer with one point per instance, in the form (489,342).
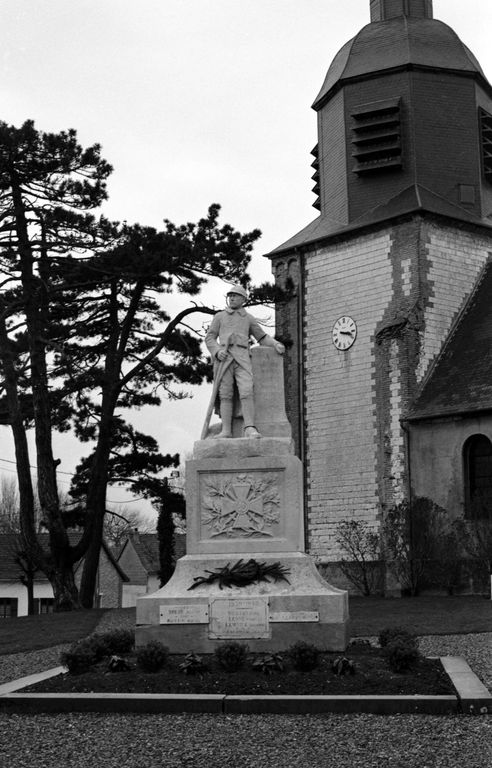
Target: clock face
(344,333)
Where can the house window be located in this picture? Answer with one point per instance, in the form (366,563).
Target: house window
(8,607)
(478,477)
(46,604)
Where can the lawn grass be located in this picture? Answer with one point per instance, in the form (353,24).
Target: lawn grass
(428,615)
(30,633)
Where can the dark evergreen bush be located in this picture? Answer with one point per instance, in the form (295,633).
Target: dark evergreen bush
(402,655)
(231,656)
(152,657)
(304,656)
(392,633)
(118,641)
(79,657)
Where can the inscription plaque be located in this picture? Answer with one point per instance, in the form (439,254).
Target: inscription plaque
(183,614)
(235,618)
(302,616)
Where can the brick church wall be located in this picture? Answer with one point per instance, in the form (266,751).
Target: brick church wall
(404,285)
(347,278)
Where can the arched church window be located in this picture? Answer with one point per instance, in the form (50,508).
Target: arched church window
(478,477)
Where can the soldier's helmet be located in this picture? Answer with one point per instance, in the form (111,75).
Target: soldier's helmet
(236,288)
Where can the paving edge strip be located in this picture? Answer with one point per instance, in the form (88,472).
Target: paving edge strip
(472,697)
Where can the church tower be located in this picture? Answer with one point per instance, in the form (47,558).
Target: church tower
(382,279)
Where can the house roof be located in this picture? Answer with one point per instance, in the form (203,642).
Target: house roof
(10,545)
(460,381)
(9,569)
(146,546)
(395,43)
(413,199)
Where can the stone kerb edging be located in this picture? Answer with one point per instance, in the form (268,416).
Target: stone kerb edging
(472,697)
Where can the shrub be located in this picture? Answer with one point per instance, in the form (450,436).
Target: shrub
(304,656)
(362,564)
(401,655)
(268,663)
(118,641)
(343,666)
(92,649)
(152,657)
(118,664)
(79,658)
(192,665)
(392,633)
(231,656)
(417,535)
(97,645)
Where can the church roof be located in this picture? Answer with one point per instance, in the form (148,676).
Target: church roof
(414,198)
(395,43)
(461,379)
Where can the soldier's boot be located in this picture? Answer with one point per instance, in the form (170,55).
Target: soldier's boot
(226,418)
(248,409)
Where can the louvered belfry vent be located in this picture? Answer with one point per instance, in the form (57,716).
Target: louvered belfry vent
(486,134)
(315,177)
(376,136)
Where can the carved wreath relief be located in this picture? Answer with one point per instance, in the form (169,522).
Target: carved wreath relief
(240,505)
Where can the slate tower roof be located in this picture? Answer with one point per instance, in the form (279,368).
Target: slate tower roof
(404,119)
(398,42)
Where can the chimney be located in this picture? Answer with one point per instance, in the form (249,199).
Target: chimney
(391,9)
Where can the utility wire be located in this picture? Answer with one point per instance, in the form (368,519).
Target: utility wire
(70,474)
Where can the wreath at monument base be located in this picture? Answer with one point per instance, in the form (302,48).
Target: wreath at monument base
(241,574)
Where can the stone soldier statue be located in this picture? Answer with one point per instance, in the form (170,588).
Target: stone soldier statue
(228,341)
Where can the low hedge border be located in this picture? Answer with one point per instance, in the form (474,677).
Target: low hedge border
(472,698)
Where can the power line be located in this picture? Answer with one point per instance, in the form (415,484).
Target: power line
(70,474)
(58,471)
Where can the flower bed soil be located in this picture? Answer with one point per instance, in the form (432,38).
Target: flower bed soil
(372,677)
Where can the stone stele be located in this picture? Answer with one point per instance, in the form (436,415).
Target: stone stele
(244,500)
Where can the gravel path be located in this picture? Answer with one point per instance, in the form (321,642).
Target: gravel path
(266,741)
(262,741)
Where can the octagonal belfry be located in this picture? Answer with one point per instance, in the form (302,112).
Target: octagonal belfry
(244,499)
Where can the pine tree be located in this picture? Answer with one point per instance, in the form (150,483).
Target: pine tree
(48,183)
(83,303)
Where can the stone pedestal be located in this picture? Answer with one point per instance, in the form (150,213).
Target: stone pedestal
(244,500)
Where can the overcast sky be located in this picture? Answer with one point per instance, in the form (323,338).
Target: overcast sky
(193,102)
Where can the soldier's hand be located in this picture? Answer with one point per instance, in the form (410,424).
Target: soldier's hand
(221,355)
(279,347)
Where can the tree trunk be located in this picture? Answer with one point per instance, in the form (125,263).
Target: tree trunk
(26,491)
(98,483)
(35,308)
(96,502)
(28,581)
(64,589)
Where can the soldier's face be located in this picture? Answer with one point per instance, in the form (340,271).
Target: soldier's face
(235,300)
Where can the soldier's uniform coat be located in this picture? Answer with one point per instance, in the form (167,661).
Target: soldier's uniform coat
(231,330)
